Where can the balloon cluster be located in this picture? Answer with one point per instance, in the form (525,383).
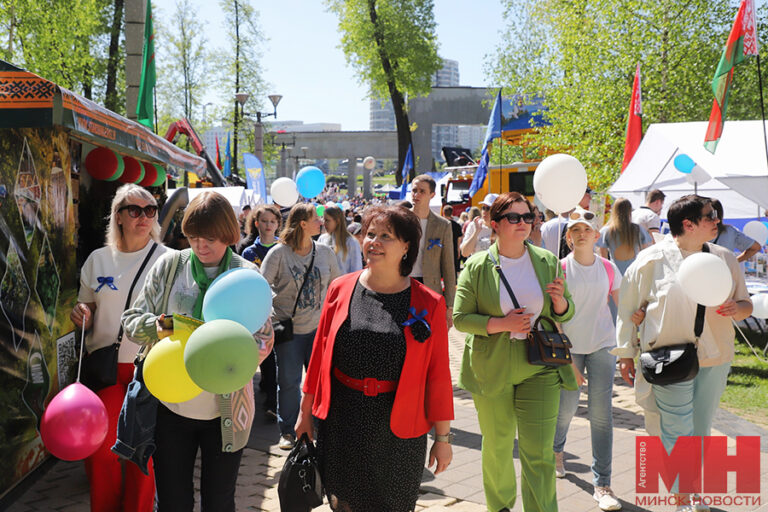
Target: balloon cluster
(220,356)
(310,182)
(104,164)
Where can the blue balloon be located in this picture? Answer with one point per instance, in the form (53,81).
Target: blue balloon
(310,181)
(684,163)
(241,295)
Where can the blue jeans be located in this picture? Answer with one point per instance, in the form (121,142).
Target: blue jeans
(291,357)
(600,369)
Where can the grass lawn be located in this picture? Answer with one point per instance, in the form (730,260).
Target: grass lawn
(746,394)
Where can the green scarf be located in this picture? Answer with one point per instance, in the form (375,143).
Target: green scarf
(203,281)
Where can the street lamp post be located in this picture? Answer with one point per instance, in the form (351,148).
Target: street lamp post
(240,98)
(258,129)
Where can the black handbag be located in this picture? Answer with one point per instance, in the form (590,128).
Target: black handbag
(548,347)
(300,488)
(100,366)
(675,363)
(284,328)
(543,347)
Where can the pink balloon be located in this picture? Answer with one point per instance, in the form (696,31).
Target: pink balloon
(74,424)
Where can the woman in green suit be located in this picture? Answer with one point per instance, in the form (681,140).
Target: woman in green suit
(510,394)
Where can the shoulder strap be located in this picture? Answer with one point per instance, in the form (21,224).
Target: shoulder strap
(306,275)
(698,326)
(133,285)
(504,280)
(609,271)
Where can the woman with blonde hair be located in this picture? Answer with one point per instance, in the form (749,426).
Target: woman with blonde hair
(347,249)
(105,281)
(299,271)
(218,426)
(620,238)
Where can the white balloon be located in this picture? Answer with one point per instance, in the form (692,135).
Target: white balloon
(560,181)
(284,192)
(697,176)
(760,305)
(346,205)
(757,231)
(705,279)
(369,162)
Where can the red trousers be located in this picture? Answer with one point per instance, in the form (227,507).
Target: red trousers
(118,486)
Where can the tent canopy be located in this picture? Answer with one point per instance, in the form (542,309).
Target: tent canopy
(738,168)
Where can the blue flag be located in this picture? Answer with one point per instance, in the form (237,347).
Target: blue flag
(493,132)
(254,176)
(227,160)
(407,166)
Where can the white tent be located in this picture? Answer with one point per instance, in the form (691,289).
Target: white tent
(738,167)
(235,195)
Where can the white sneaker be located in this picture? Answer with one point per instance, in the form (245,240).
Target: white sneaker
(559,465)
(287,442)
(605,498)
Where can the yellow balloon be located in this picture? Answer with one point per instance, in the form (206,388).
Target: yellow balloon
(165,375)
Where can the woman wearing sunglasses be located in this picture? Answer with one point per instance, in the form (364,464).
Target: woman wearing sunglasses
(591,280)
(105,281)
(510,394)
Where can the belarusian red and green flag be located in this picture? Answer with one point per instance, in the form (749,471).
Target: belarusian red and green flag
(742,43)
(145,108)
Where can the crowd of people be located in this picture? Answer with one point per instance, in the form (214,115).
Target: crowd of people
(364,298)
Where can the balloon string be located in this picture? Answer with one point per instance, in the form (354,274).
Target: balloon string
(559,237)
(761,359)
(80,359)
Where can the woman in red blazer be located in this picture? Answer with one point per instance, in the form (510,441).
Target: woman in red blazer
(379,378)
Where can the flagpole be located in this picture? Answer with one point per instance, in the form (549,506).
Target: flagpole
(762,107)
(501,143)
(154,100)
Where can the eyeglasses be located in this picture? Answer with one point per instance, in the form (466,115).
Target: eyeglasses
(579,215)
(135,211)
(515,218)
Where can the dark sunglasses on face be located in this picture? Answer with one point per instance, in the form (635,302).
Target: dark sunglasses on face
(135,211)
(485,208)
(711,215)
(515,218)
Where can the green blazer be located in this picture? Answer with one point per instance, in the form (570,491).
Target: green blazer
(488,358)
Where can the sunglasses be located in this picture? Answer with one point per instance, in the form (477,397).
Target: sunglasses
(485,208)
(135,211)
(712,215)
(515,218)
(585,215)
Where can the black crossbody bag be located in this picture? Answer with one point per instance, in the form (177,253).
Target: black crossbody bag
(675,363)
(284,328)
(100,366)
(544,347)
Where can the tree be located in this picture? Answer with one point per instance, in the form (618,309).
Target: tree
(113,100)
(185,62)
(393,46)
(581,56)
(240,64)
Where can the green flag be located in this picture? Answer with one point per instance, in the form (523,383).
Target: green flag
(145,108)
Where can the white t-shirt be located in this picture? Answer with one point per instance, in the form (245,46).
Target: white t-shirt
(418,271)
(550,233)
(525,285)
(591,327)
(483,241)
(646,218)
(121,267)
(184,292)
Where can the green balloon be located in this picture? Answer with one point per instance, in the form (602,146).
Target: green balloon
(160,176)
(320,210)
(221,356)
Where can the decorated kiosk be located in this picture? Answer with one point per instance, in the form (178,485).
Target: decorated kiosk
(62,157)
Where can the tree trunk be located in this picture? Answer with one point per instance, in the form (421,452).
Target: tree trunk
(111,98)
(398,102)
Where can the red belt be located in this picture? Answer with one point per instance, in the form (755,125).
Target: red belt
(369,386)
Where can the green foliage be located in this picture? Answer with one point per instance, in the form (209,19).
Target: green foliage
(408,29)
(184,63)
(581,55)
(65,41)
(747,391)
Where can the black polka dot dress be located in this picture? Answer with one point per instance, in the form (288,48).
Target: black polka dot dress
(365,467)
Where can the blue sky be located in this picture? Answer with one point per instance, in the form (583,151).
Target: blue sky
(302,60)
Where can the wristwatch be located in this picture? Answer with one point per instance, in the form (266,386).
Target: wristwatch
(447,438)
